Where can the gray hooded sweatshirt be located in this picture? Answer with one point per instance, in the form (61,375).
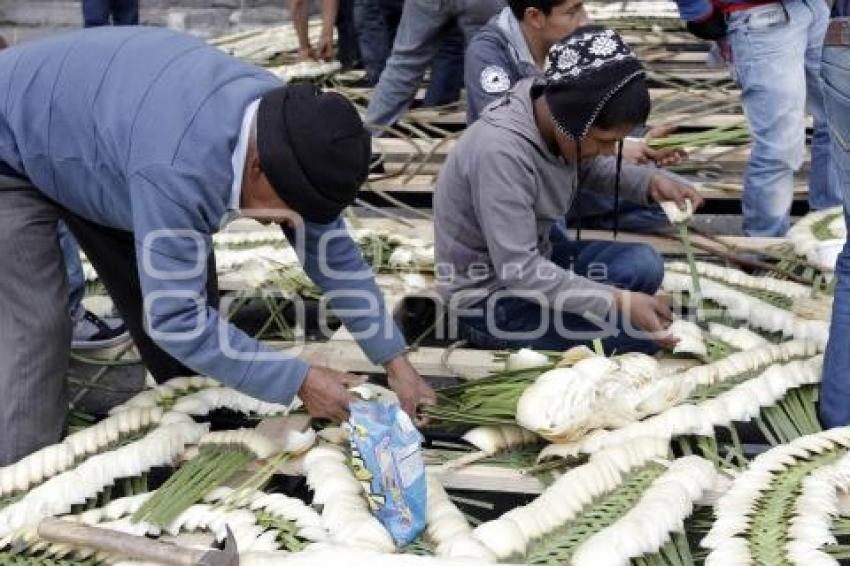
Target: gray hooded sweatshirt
(497,196)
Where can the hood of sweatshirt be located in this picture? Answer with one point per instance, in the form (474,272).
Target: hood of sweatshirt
(515,113)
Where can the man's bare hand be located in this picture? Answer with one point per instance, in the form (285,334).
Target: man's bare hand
(639,153)
(325,52)
(663,188)
(647,313)
(307,54)
(325,394)
(413,392)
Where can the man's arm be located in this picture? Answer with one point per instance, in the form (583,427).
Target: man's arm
(335,264)
(298,13)
(486,74)
(326,42)
(172,246)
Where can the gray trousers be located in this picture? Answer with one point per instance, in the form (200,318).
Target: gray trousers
(416,44)
(35,327)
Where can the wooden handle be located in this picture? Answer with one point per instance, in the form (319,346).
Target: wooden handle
(115,542)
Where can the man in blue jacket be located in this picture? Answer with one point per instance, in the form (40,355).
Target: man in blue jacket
(774,51)
(146,142)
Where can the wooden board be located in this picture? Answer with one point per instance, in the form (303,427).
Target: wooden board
(345,355)
(479,477)
(424,184)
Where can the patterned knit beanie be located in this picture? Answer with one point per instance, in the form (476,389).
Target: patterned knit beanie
(583,71)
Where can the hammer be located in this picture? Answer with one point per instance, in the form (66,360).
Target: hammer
(136,547)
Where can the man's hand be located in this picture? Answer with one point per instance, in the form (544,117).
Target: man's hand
(324,392)
(307,54)
(411,389)
(647,313)
(325,51)
(663,188)
(640,153)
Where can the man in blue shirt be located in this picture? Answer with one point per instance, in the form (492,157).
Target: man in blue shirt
(146,142)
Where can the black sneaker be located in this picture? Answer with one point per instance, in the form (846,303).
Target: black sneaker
(92,333)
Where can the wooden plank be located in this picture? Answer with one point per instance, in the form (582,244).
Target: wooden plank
(347,356)
(478,477)
(673,247)
(711,190)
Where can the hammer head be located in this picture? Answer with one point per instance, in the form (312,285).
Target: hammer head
(228,556)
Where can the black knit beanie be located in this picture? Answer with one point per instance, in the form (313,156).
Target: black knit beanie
(583,71)
(313,148)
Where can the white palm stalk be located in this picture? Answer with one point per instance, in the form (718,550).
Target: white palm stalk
(206,400)
(742,338)
(624,9)
(249,238)
(448,529)
(675,214)
(221,455)
(261,46)
(739,509)
(526,358)
(166,393)
(660,512)
(307,522)
(257,523)
(340,555)
(491,439)
(59,494)
(819,236)
(741,403)
(690,336)
(511,534)
(815,509)
(566,403)
(757,313)
(736,277)
(306,70)
(345,513)
(52,460)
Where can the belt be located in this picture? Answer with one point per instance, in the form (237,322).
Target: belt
(9,178)
(838,33)
(741,6)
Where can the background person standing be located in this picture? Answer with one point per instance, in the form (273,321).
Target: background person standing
(115,12)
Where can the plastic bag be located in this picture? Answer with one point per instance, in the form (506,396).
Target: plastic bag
(387,459)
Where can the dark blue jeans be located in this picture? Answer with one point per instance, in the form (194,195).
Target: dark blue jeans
(348,48)
(835,385)
(377,22)
(636,267)
(105,12)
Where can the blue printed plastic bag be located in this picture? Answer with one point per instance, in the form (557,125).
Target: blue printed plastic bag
(387,459)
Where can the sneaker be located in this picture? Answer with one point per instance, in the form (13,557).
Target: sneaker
(91,333)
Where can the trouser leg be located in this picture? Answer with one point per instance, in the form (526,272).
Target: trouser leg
(113,255)
(348,49)
(835,384)
(35,329)
(125,12)
(446,69)
(768,58)
(95,13)
(414,49)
